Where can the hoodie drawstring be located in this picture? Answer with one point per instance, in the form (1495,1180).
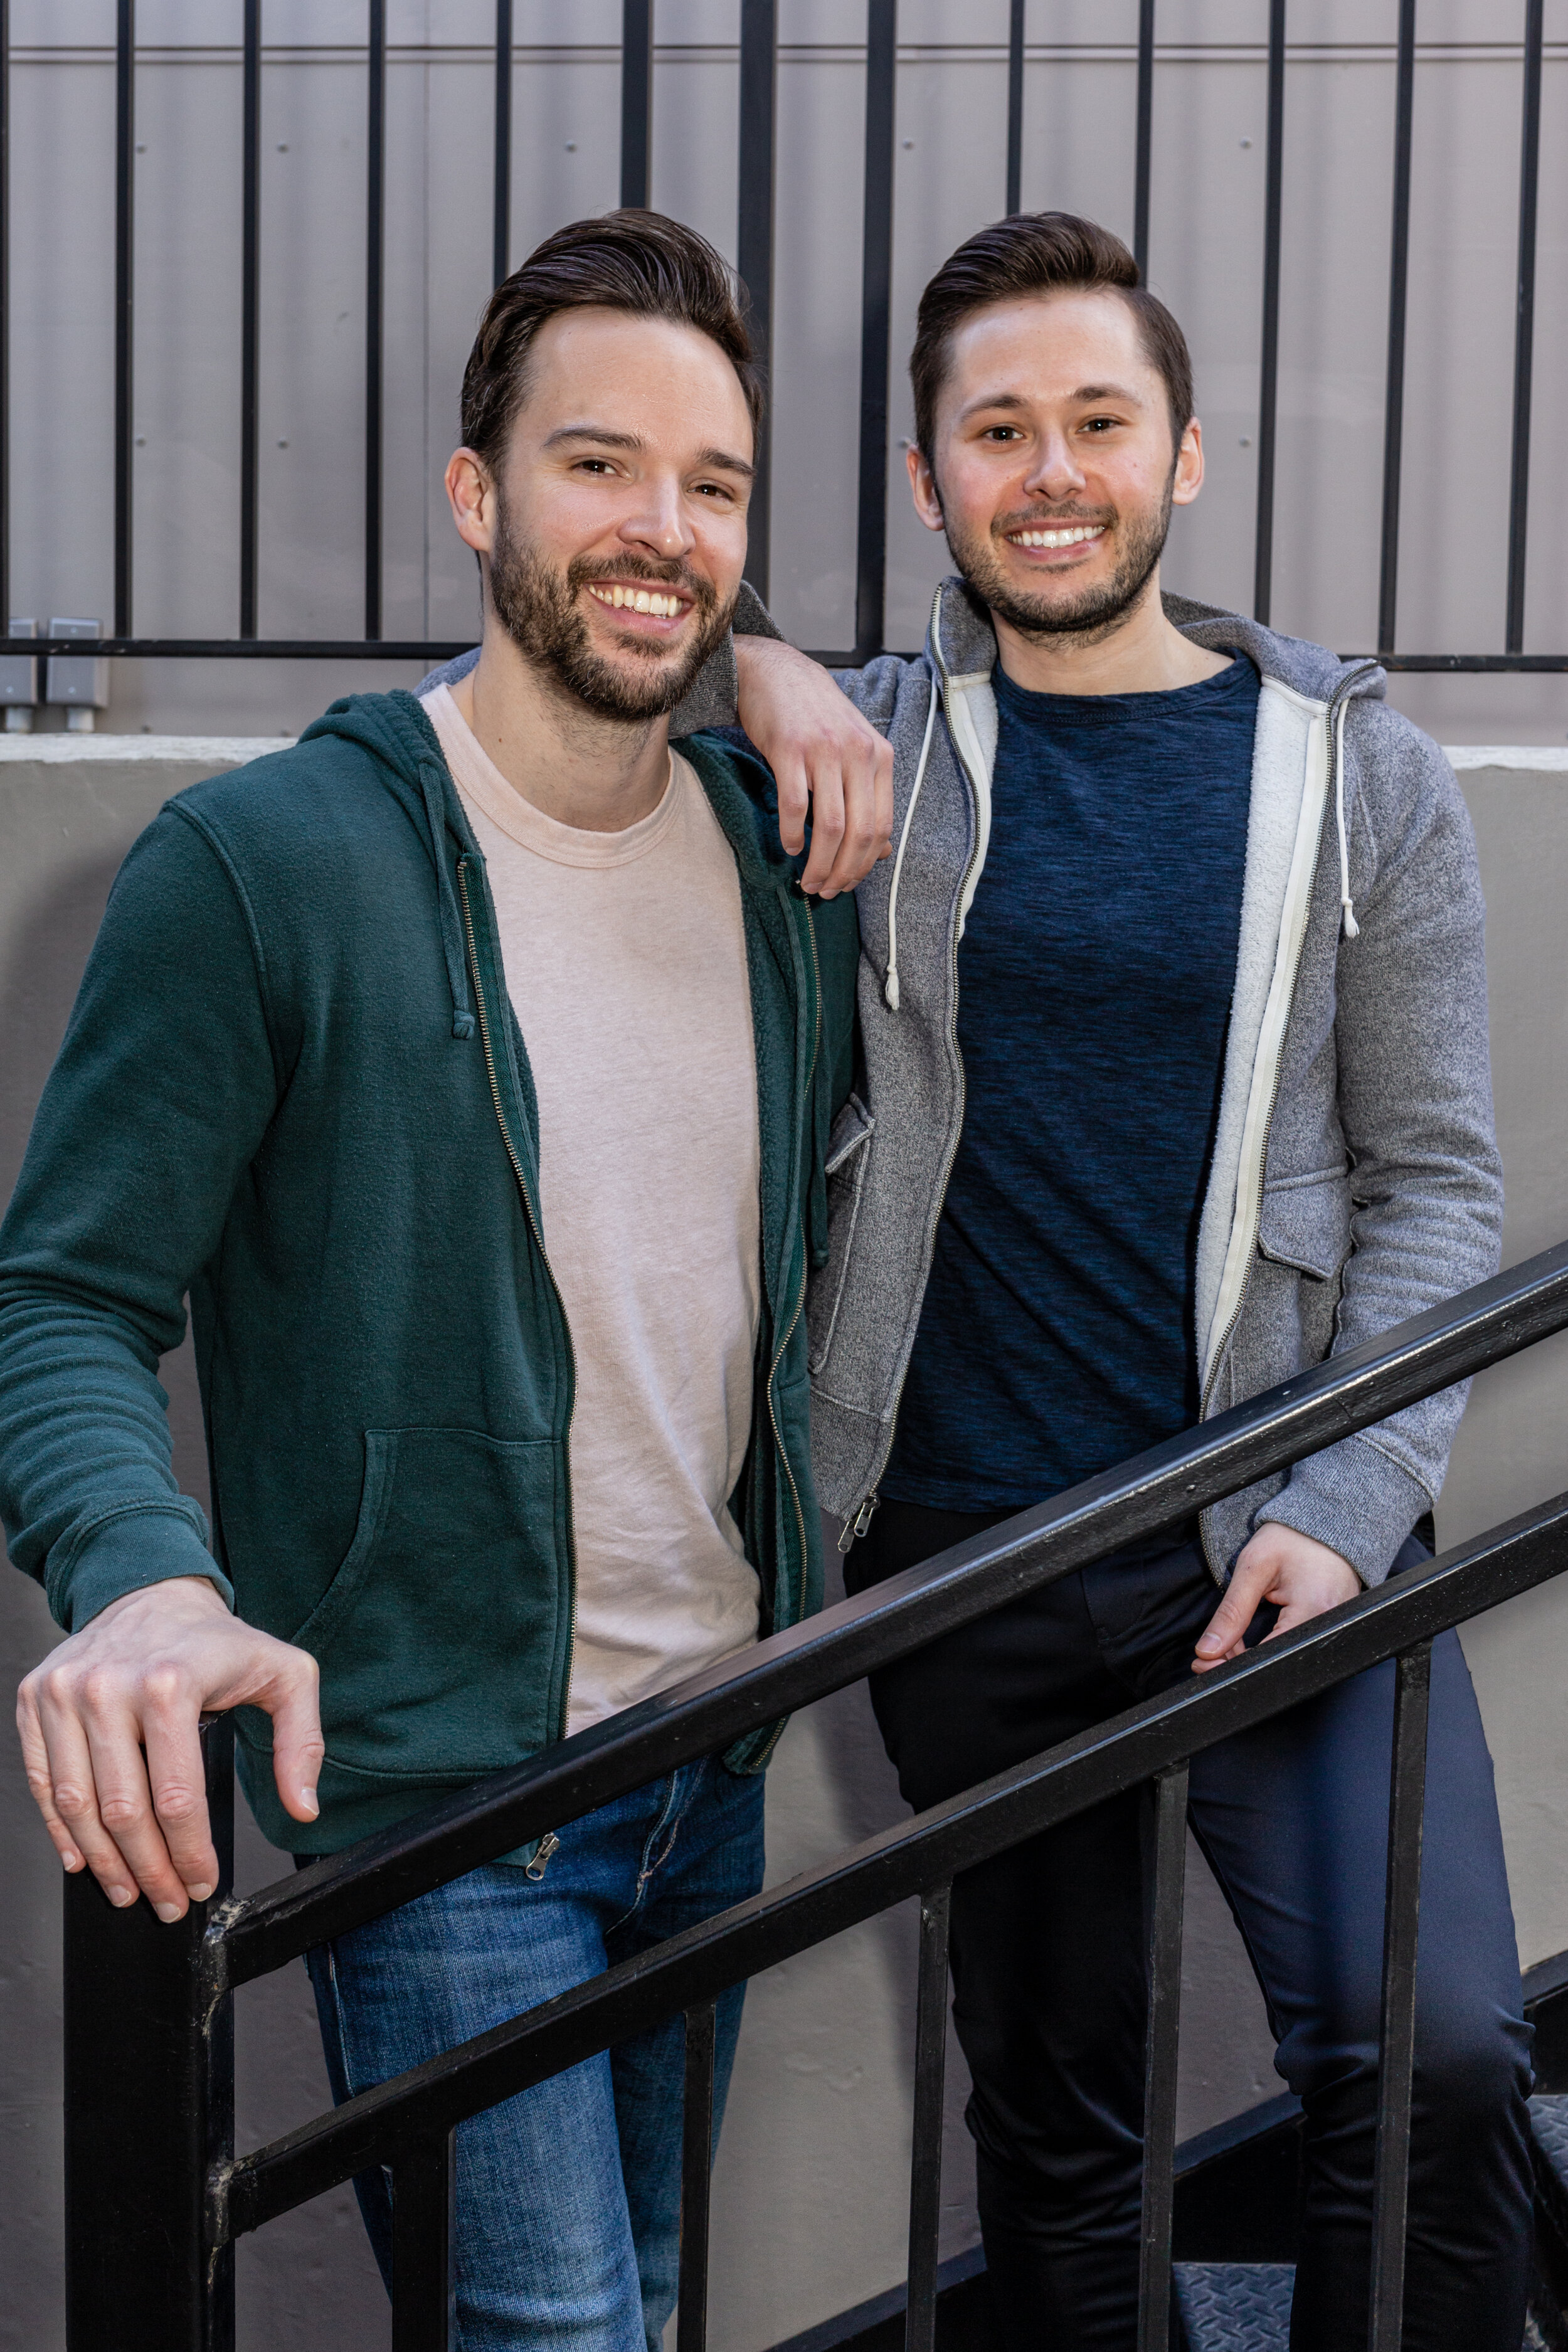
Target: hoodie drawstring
(1341,706)
(890,984)
(432,783)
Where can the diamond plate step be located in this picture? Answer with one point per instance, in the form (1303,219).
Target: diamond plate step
(1236,2306)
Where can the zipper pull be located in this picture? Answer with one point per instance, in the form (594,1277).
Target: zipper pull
(855,1529)
(540,1862)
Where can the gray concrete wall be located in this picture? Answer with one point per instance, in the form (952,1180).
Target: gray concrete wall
(1207,203)
(810,2214)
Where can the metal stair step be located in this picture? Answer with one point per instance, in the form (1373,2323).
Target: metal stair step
(1235,2307)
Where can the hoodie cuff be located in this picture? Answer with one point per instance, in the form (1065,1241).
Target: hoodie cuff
(145,1544)
(1356,1499)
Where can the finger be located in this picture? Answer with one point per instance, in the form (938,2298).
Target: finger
(73,1791)
(826,824)
(862,842)
(884,795)
(35,1764)
(298,1747)
(795,799)
(176,1779)
(1221,1638)
(125,1798)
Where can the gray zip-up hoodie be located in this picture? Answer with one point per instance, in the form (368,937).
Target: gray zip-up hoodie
(1355,1177)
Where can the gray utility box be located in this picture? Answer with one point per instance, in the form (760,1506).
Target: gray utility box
(79,682)
(19,678)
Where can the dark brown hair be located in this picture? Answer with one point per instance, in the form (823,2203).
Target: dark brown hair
(1038,253)
(630,260)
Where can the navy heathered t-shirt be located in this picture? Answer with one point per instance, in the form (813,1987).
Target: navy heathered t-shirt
(1095,979)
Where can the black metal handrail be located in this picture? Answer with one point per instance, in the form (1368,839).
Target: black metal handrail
(156,2197)
(756,208)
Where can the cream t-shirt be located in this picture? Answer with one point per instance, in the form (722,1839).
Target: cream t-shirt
(626,961)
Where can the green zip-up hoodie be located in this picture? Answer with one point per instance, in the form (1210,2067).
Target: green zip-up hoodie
(293,1087)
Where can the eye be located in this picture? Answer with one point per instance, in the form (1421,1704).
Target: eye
(1100,424)
(1002,433)
(594,465)
(714,490)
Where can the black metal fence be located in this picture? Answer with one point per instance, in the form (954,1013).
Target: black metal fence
(759,56)
(157,2197)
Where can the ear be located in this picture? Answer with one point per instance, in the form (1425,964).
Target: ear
(922,490)
(1189,476)
(472,495)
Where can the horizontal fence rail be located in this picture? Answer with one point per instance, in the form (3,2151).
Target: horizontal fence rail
(156,2197)
(758,39)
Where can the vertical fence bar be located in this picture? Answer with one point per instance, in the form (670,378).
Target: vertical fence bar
(1016,104)
(1401,1930)
(148,2108)
(501,233)
(1269,373)
(1145,136)
(250,319)
(876,306)
(755,242)
(1160,2068)
(1398,288)
(4,314)
(422,2296)
(925,2163)
(636,99)
(375,306)
(696,2177)
(124,305)
(1524,324)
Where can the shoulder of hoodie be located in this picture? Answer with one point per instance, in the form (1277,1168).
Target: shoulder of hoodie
(1402,777)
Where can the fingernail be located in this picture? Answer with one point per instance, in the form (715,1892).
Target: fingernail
(121,1895)
(308,1798)
(167,1912)
(199,1891)
(71,1861)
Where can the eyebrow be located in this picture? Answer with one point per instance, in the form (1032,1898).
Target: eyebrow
(603,438)
(1085,392)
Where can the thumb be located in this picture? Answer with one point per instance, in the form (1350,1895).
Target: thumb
(297,1746)
(1236,1611)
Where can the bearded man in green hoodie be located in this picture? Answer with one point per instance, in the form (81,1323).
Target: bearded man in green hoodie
(470,1066)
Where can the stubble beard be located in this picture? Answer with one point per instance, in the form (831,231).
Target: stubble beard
(540,610)
(1092,614)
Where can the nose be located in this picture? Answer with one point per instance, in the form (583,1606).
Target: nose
(1056,472)
(658,521)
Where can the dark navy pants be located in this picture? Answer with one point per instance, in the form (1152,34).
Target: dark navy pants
(1049,1941)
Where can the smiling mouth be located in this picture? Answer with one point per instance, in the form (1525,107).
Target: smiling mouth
(1077,534)
(660,604)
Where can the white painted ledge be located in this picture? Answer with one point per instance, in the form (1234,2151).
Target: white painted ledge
(58,748)
(1547,758)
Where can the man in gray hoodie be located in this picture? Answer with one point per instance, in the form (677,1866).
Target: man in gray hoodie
(1174,1081)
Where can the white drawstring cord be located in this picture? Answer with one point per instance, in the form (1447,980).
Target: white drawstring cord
(1351,927)
(890,984)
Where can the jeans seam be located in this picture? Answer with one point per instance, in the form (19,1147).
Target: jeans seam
(644,1867)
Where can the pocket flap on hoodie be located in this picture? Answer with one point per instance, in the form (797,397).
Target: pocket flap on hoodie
(853,1128)
(1307,1224)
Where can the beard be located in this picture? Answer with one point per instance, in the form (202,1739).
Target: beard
(539,609)
(1091,612)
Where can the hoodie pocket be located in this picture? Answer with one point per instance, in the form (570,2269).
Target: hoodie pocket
(848,1156)
(1305,1222)
(436,1638)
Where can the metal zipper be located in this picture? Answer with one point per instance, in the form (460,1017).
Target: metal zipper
(548,1844)
(539,1244)
(800,1296)
(861,1520)
(1342,695)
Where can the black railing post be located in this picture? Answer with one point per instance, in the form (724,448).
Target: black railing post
(1401,1933)
(422,2215)
(4,315)
(148,2107)
(1398,288)
(124,309)
(931,2082)
(1015,105)
(500,228)
(696,2177)
(754,244)
(636,99)
(876,317)
(1144,143)
(1268,368)
(1160,2066)
(249,316)
(374,304)
(1524,324)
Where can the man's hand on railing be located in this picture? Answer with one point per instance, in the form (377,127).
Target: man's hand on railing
(110,1721)
(1291,1572)
(823,754)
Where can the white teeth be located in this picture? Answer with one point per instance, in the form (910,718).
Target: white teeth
(639,600)
(1070,537)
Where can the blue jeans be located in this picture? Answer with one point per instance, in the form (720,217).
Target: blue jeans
(1049,1942)
(568,2196)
